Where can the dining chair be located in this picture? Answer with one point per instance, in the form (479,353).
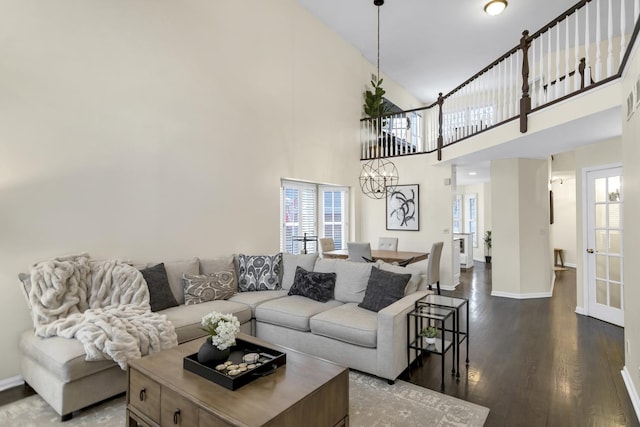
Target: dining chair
(327,244)
(359,252)
(388,243)
(433,266)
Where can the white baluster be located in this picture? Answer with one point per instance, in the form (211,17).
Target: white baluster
(517,78)
(558,85)
(587,45)
(623,29)
(567,78)
(505,90)
(550,89)
(541,91)
(533,93)
(598,40)
(610,39)
(576,47)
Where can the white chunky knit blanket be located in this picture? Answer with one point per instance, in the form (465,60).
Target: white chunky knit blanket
(103,304)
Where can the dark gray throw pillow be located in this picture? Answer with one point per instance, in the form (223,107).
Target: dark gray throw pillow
(384,288)
(314,285)
(160,295)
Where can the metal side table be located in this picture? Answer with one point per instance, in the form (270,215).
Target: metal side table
(424,315)
(460,323)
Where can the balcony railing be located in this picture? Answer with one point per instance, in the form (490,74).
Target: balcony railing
(583,48)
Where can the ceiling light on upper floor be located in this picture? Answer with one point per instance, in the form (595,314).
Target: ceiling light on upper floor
(495,7)
(473,173)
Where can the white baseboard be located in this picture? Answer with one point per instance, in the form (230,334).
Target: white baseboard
(633,394)
(11,382)
(570,264)
(522,296)
(581,310)
(447,288)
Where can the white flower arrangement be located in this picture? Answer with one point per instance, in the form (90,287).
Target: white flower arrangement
(222,328)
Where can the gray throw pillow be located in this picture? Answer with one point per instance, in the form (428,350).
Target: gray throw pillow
(160,295)
(314,285)
(259,272)
(208,287)
(384,288)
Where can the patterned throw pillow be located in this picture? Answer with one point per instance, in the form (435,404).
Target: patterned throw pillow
(384,288)
(208,287)
(259,272)
(314,285)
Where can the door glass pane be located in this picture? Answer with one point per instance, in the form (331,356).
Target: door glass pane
(614,242)
(614,215)
(601,266)
(615,299)
(614,189)
(601,241)
(601,217)
(601,189)
(614,269)
(601,292)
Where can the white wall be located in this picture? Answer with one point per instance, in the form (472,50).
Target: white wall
(563,229)
(631,211)
(520,236)
(484,213)
(159,130)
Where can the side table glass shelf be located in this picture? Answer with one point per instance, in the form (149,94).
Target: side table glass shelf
(424,315)
(460,323)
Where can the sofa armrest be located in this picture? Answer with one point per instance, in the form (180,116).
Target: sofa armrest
(392,335)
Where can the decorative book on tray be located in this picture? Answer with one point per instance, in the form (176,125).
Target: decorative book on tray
(246,362)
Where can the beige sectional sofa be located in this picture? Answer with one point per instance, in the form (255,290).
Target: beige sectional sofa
(337,330)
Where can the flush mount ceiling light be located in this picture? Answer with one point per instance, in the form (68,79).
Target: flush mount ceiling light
(495,7)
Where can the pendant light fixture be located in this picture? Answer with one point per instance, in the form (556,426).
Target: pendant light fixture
(378,175)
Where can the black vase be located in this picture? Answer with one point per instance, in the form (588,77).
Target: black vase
(210,354)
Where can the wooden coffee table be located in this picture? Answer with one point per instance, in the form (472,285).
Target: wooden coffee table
(305,391)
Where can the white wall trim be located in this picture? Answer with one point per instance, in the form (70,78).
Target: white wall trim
(522,296)
(633,394)
(8,383)
(581,310)
(446,288)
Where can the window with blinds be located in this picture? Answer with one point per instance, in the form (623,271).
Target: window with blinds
(317,210)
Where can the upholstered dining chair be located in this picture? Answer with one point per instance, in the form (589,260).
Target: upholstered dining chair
(433,266)
(388,243)
(359,252)
(327,244)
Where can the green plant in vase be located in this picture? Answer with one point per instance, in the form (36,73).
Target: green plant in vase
(430,333)
(487,246)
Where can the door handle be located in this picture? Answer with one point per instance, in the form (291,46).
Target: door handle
(590,250)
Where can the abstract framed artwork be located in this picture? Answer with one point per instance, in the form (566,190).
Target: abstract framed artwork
(403,208)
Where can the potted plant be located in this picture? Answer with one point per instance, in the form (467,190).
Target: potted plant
(374,105)
(430,333)
(221,330)
(487,246)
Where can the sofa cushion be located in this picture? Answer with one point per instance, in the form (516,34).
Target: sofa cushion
(348,323)
(292,311)
(259,272)
(175,270)
(417,275)
(253,299)
(214,265)
(351,277)
(160,295)
(314,285)
(384,289)
(289,264)
(186,318)
(208,287)
(63,357)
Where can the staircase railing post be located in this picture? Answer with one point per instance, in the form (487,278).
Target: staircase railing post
(525,101)
(440,139)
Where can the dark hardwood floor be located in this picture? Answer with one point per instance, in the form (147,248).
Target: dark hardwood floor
(533,362)
(536,362)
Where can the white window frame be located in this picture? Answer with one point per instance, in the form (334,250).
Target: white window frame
(340,239)
(457,219)
(314,210)
(471,222)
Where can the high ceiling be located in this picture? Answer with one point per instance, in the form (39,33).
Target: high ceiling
(431,46)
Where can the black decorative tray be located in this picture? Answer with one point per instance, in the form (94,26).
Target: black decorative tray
(270,360)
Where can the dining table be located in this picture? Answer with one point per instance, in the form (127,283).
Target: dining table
(378,254)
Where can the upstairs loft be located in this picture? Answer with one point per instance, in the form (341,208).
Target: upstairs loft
(557,89)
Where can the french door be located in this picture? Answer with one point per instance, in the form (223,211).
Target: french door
(604,255)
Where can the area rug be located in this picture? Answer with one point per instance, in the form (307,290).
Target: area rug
(372,402)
